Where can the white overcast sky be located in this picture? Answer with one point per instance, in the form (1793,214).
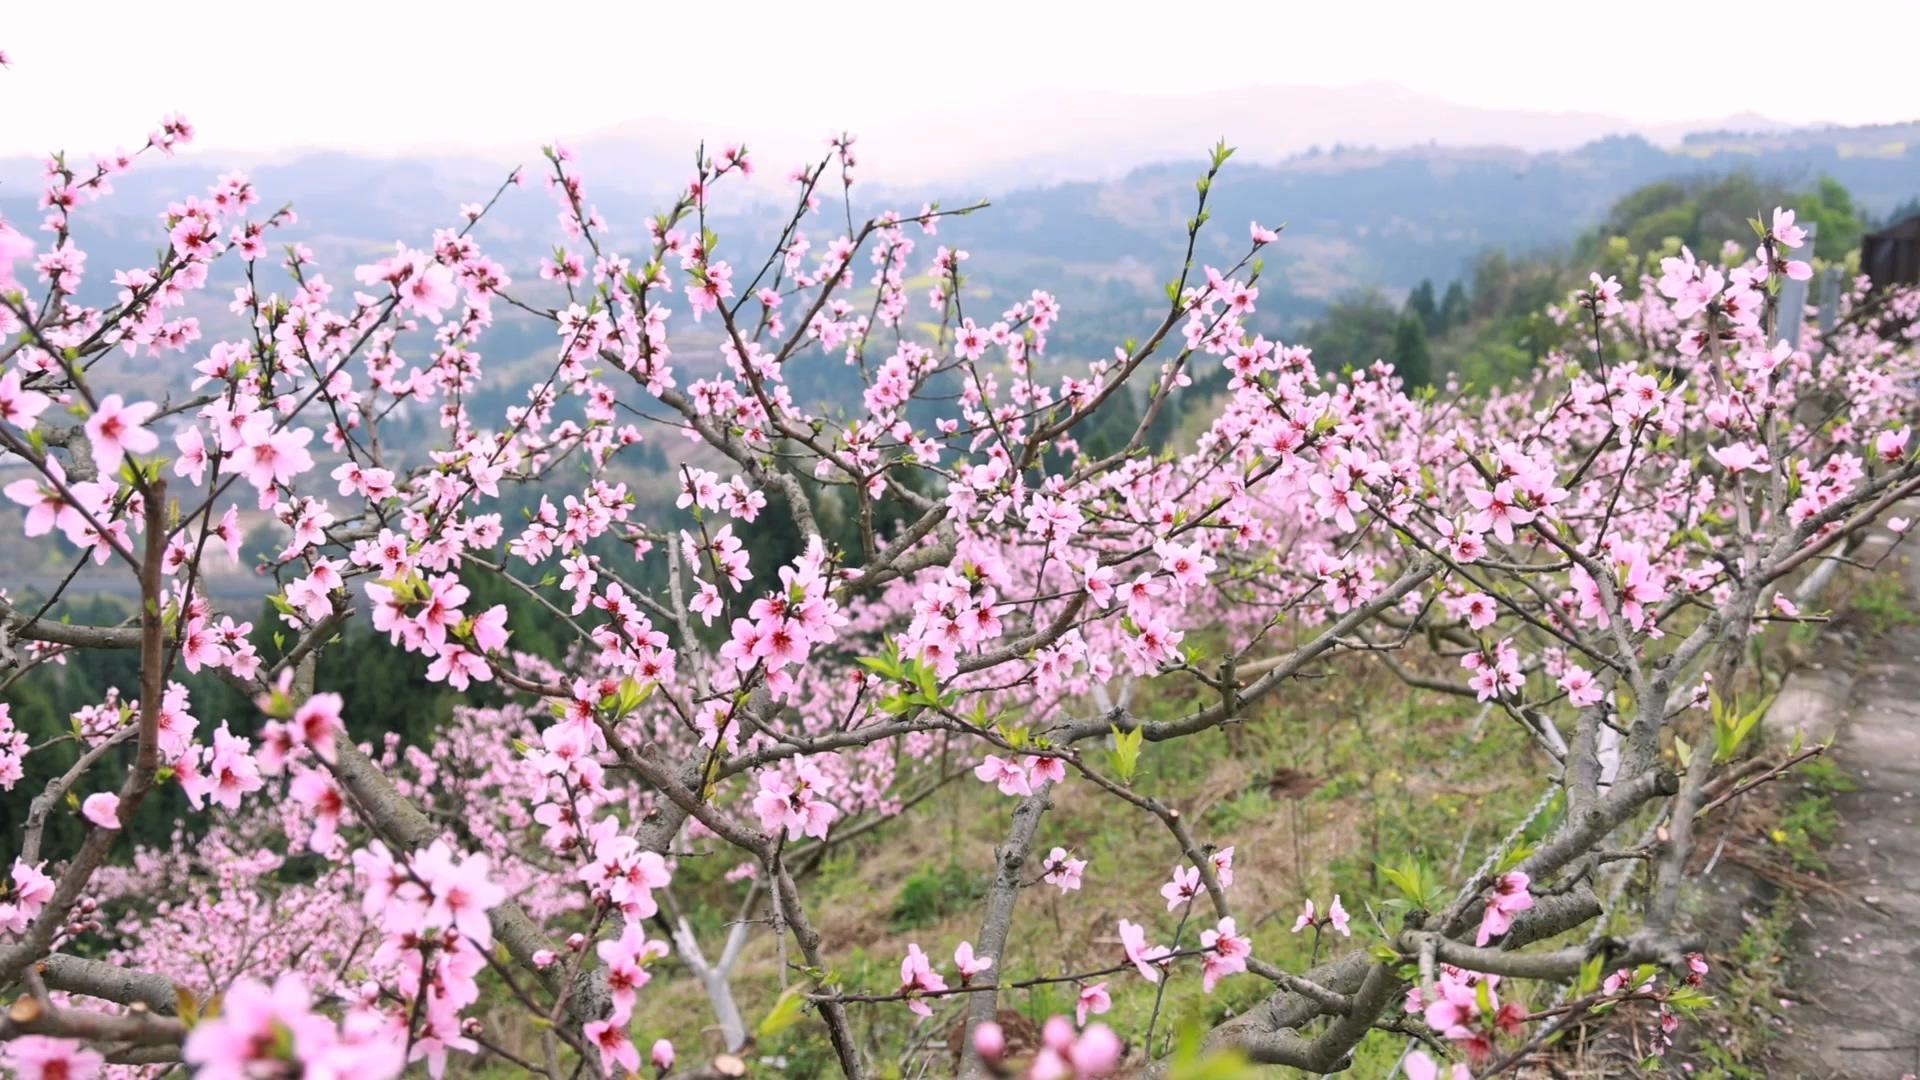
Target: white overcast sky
(396,75)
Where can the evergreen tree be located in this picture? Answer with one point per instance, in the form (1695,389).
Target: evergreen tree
(1411,356)
(1420,302)
(1453,307)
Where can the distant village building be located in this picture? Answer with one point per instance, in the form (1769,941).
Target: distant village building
(1892,255)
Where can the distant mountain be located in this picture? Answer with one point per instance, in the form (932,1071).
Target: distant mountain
(1755,134)
(1356,217)
(1380,219)
(1048,138)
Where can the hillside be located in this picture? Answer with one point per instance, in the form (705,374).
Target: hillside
(1356,217)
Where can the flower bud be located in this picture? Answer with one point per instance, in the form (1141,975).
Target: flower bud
(1058,1034)
(1097,1053)
(989,1041)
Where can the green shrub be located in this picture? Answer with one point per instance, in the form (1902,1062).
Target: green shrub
(933,893)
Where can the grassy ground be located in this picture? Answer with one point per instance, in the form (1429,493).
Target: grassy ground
(1332,776)
(1319,784)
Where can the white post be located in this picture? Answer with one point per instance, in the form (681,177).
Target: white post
(1829,299)
(1793,298)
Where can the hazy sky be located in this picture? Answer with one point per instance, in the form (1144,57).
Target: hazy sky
(398,74)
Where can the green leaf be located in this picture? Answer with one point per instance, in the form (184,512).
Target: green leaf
(784,1014)
(278,705)
(1589,980)
(1513,858)
(1689,1000)
(631,696)
(887,664)
(1415,880)
(1125,755)
(1731,727)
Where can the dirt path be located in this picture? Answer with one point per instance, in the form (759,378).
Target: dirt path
(1855,972)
